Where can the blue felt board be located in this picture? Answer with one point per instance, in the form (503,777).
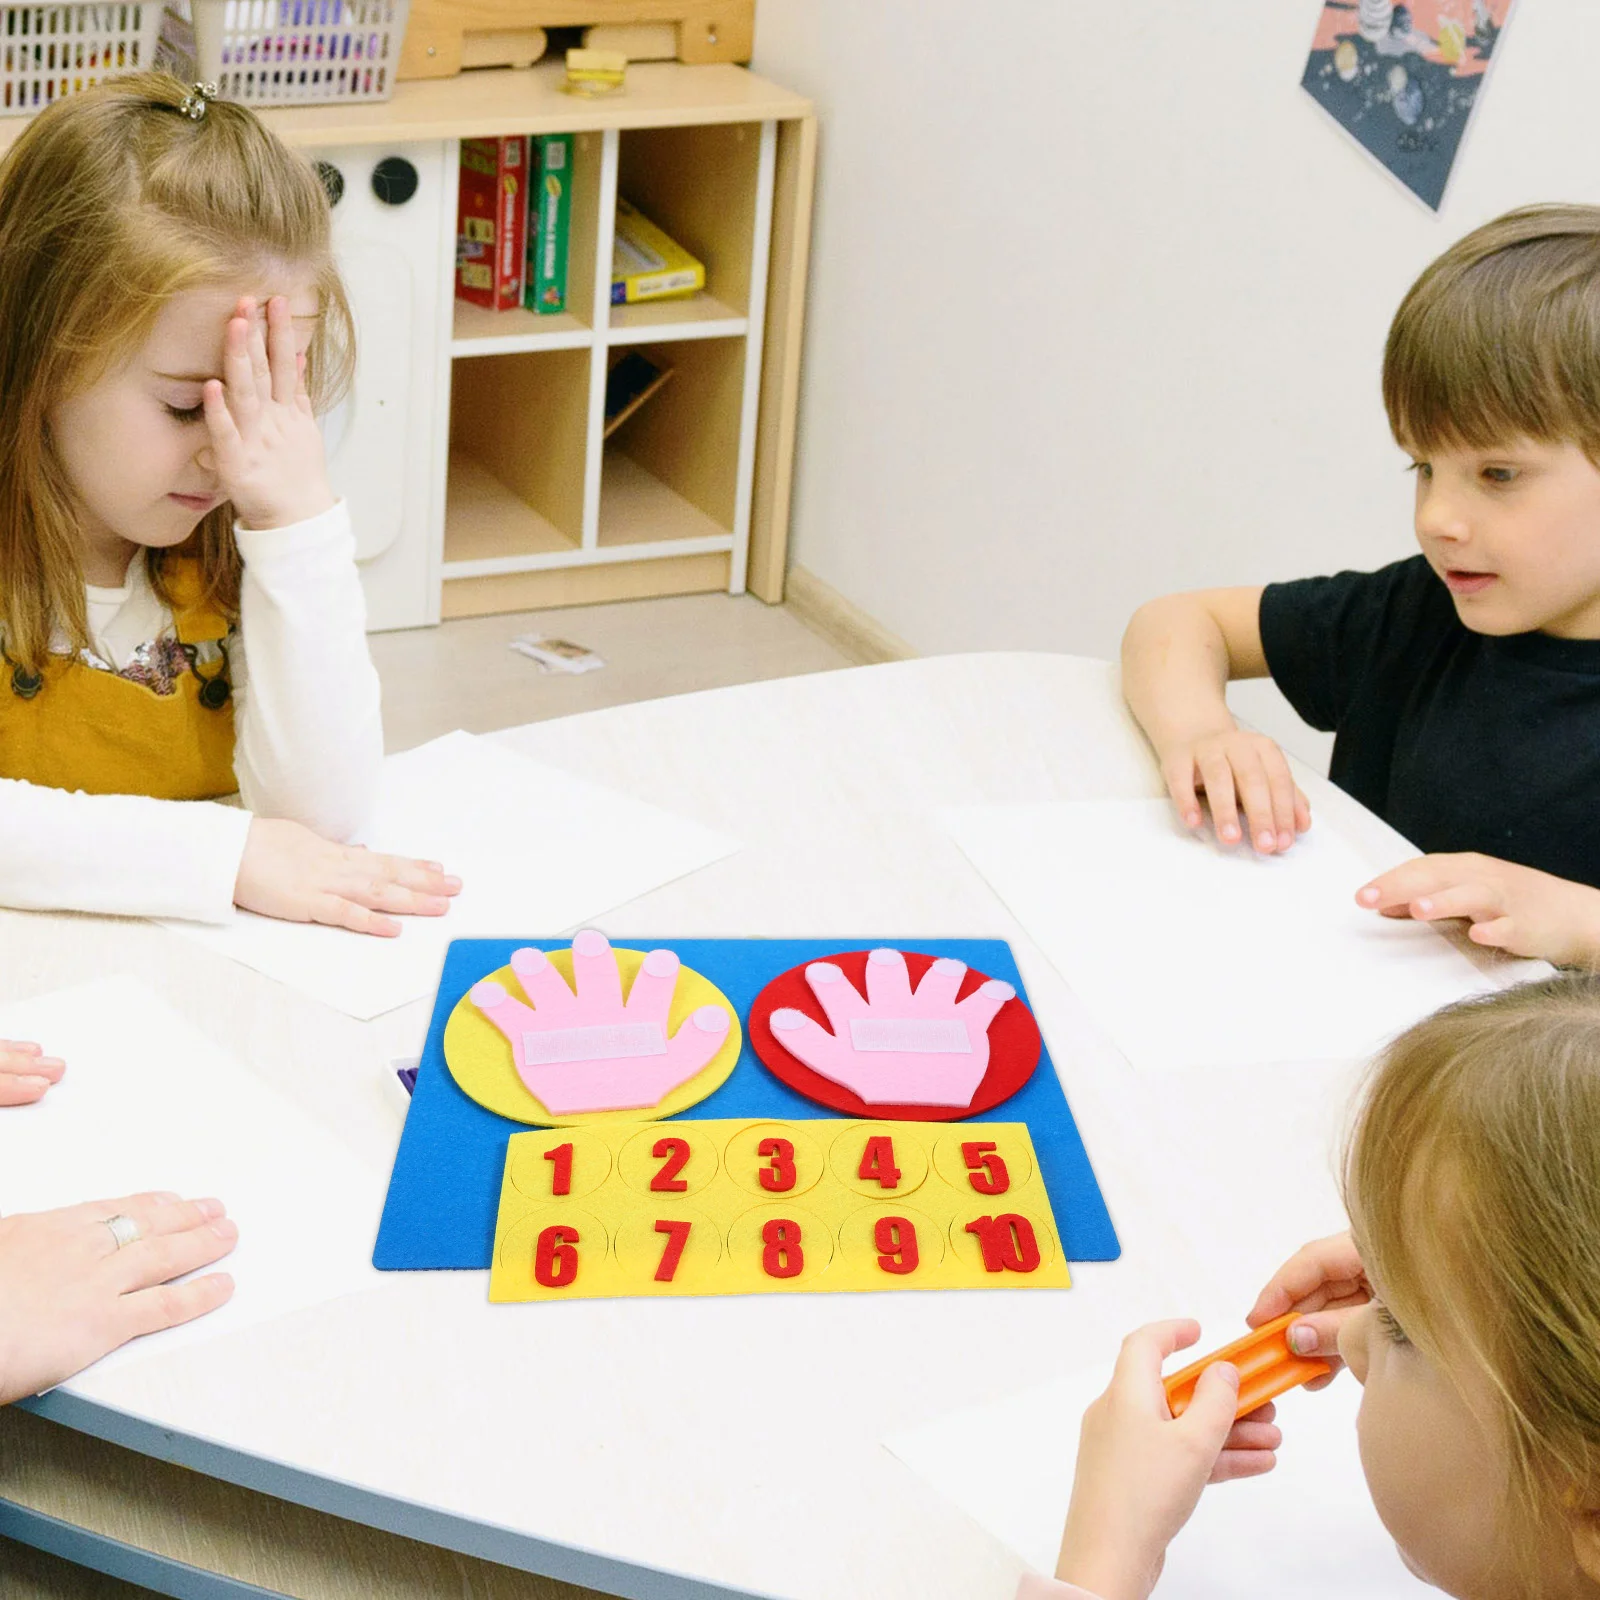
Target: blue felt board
(444,1192)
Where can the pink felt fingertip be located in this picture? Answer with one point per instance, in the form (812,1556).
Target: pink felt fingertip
(661,963)
(885,958)
(528,960)
(488,994)
(788,1020)
(823,972)
(711,1019)
(591,942)
(997,989)
(949,967)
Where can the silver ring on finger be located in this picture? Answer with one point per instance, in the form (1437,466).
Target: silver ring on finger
(124,1230)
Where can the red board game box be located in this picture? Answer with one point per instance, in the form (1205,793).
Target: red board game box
(492,222)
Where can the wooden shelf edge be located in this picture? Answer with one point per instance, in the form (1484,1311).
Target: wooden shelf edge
(605,555)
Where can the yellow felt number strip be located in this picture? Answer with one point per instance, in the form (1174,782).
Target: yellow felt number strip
(739,1207)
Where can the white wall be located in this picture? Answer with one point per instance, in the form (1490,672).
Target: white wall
(1098,313)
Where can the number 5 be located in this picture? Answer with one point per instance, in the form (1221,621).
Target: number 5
(988,1169)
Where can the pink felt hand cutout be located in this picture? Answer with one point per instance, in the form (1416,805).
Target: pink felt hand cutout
(896,1047)
(587,1051)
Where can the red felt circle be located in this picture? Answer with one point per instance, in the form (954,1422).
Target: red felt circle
(1014,1043)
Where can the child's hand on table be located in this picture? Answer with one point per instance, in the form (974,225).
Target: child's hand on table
(1325,1281)
(264,437)
(1234,768)
(26,1072)
(1140,1472)
(289,872)
(70,1294)
(1516,909)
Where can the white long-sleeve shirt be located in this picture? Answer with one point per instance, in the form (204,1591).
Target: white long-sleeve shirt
(308,742)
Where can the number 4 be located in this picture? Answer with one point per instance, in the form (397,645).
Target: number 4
(877,1163)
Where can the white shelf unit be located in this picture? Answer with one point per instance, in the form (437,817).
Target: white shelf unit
(532,485)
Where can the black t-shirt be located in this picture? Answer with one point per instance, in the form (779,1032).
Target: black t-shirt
(1459,740)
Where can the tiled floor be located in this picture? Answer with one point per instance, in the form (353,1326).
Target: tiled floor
(464,674)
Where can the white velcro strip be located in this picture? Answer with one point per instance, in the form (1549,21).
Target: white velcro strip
(912,1036)
(616,1041)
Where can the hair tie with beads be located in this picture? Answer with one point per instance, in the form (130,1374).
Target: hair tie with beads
(200,95)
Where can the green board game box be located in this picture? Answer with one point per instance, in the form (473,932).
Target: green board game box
(545,285)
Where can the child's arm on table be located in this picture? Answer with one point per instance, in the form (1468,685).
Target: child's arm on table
(1178,655)
(1512,908)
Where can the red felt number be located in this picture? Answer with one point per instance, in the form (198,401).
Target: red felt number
(560,1160)
(989,1175)
(782,1256)
(877,1162)
(555,1261)
(1007,1242)
(667,1181)
(896,1238)
(778,1176)
(677,1237)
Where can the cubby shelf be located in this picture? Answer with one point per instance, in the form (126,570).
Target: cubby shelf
(533,484)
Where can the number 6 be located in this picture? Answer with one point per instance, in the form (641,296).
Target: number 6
(555,1262)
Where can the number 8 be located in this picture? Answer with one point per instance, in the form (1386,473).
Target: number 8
(782,1256)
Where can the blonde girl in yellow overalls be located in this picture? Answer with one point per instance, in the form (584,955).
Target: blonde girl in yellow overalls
(180,613)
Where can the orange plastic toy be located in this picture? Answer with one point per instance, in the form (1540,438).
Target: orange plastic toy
(1267,1368)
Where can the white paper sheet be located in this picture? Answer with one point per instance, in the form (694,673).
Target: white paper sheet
(147,1103)
(538,852)
(1306,1529)
(1191,955)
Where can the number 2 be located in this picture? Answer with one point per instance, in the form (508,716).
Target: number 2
(989,1175)
(667,1181)
(555,1262)
(781,1255)
(779,1175)
(677,1237)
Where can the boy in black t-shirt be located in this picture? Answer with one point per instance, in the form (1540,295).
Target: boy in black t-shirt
(1463,685)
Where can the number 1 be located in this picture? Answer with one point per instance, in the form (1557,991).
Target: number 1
(560,1160)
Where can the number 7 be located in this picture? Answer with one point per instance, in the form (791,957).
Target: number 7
(677,1237)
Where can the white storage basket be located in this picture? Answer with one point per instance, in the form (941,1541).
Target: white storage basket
(47,51)
(299,52)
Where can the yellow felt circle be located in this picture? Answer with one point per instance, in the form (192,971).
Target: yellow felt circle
(900,1162)
(787,1147)
(479,1055)
(999,1160)
(586,1166)
(519,1249)
(645,1246)
(969,1249)
(858,1236)
(807,1234)
(687,1161)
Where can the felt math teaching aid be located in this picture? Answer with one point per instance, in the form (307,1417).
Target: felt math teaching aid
(444,1190)
(609,1033)
(895,1034)
(1267,1368)
(760,1207)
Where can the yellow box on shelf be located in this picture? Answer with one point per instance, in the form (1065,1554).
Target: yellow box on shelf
(649,264)
(740,1207)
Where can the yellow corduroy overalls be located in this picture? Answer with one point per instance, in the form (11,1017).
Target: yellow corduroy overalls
(75,726)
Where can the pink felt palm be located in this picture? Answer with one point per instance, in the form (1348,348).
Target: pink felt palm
(587,1051)
(893,1047)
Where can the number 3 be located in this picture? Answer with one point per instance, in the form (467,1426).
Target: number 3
(779,1176)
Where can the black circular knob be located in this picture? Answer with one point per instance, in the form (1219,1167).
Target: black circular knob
(394,180)
(332,181)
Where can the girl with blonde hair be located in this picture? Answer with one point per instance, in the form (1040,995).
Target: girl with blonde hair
(1466,1301)
(180,612)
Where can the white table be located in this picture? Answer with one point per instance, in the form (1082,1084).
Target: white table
(681,1447)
